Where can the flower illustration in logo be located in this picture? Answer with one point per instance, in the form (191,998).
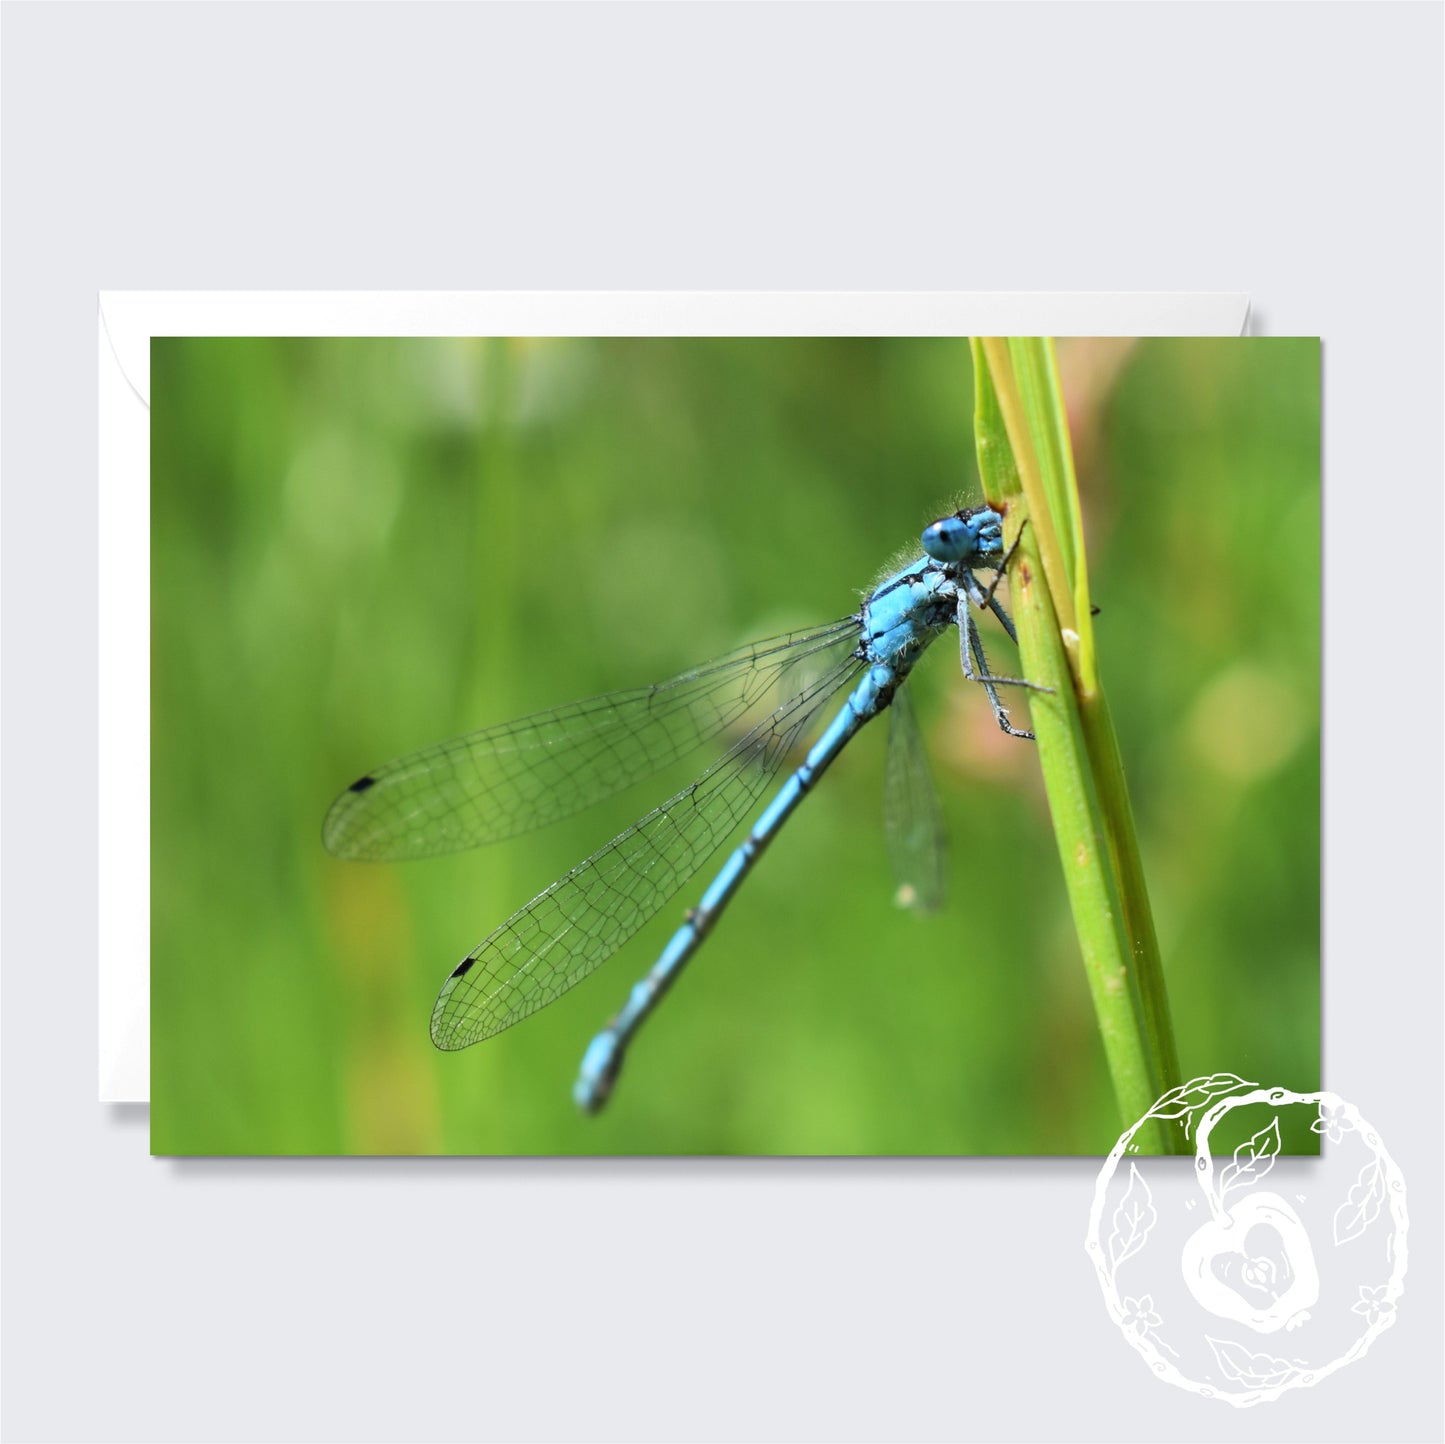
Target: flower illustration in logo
(1139,1315)
(1333,1122)
(1373,1303)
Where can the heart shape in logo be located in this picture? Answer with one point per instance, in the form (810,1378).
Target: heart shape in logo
(1254,1265)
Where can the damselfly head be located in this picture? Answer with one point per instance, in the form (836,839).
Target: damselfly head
(972,536)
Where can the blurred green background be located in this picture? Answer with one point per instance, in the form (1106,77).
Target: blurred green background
(363,546)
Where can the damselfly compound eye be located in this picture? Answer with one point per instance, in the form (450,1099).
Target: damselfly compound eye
(948,540)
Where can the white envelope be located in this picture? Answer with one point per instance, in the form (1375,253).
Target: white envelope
(128,320)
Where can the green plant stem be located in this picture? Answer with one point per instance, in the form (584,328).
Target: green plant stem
(1027,468)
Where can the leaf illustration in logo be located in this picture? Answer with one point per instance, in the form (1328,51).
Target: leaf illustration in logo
(1187,1099)
(1362,1207)
(1254,1371)
(1133,1218)
(1252,1162)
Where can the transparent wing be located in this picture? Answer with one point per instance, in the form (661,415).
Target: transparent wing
(912,821)
(583,918)
(522,775)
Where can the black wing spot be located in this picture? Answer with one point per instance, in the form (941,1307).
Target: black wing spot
(463,967)
(362,783)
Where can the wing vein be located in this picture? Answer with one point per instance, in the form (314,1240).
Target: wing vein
(566,931)
(501,781)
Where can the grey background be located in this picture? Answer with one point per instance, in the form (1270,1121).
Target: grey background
(1294,152)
